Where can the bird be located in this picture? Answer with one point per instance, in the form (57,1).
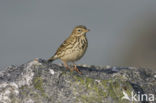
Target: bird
(73,48)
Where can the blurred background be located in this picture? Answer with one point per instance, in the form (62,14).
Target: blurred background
(123,32)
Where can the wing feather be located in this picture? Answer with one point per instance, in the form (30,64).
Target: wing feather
(67,44)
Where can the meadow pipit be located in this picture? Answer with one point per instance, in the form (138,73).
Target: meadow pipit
(73,48)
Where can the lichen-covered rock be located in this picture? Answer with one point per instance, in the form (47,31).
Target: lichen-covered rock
(40,82)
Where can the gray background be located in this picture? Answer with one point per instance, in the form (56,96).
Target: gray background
(122,31)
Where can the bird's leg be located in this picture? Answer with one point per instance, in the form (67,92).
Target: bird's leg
(65,65)
(76,69)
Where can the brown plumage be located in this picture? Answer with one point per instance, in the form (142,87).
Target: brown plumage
(73,48)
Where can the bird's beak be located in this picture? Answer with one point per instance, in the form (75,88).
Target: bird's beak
(87,30)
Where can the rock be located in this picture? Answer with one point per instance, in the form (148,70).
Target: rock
(40,82)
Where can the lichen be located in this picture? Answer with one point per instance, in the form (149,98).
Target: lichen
(8,91)
(96,91)
(38,84)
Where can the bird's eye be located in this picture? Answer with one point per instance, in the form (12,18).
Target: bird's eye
(79,30)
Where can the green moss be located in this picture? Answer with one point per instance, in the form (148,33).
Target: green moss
(22,90)
(94,90)
(92,99)
(116,90)
(112,91)
(38,84)
(79,79)
(97,91)
(29,91)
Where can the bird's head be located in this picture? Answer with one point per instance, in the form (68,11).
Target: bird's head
(80,30)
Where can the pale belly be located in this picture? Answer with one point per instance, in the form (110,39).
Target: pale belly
(75,55)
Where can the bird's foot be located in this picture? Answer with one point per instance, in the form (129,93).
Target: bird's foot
(75,69)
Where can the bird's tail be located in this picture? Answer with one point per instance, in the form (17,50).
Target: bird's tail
(52,59)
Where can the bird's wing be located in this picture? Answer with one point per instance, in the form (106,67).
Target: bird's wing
(67,44)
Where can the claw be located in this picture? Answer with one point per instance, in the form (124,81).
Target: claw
(76,69)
